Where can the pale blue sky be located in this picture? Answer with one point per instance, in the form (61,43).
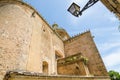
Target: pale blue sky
(98,19)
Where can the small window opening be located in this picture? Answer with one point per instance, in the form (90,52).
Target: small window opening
(45,67)
(44,30)
(58,55)
(33,14)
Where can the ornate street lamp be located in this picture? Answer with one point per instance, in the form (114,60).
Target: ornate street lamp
(74,9)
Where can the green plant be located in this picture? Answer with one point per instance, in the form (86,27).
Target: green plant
(114,75)
(85,60)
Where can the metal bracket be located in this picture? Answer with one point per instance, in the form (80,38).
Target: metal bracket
(89,4)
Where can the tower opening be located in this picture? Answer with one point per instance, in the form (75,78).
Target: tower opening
(45,67)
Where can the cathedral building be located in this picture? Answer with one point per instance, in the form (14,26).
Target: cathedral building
(32,49)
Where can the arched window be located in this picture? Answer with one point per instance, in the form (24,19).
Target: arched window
(45,67)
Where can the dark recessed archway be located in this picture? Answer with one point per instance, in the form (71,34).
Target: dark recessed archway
(45,67)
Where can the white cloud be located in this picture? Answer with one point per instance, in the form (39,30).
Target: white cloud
(115,68)
(111,17)
(108,46)
(106,31)
(102,30)
(112,61)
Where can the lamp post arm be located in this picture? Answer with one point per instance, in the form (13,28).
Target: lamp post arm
(89,4)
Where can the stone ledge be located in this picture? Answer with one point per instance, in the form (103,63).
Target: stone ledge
(33,76)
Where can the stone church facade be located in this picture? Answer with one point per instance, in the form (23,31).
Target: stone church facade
(29,44)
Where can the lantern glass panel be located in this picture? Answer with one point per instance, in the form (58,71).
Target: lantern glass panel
(74,9)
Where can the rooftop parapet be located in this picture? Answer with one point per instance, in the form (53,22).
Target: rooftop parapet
(77,36)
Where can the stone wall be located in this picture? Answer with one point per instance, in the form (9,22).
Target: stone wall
(76,68)
(15,35)
(72,65)
(26,39)
(85,45)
